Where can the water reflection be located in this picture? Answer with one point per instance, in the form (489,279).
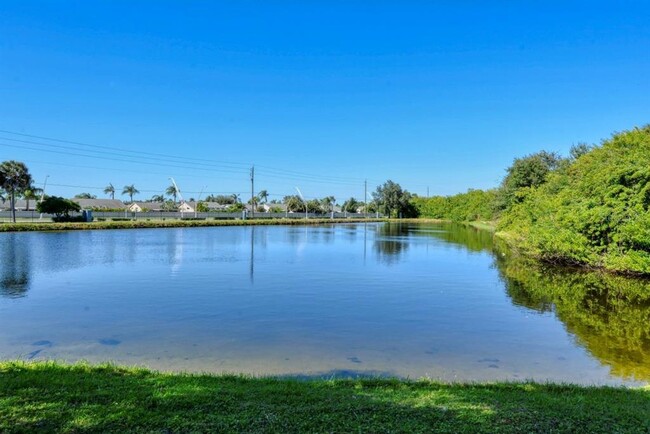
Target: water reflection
(14,267)
(610,315)
(391,242)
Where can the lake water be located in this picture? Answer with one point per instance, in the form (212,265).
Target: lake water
(407,300)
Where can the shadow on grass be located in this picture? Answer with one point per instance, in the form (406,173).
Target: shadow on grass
(47,397)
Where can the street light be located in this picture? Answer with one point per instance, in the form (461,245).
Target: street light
(43,194)
(303,201)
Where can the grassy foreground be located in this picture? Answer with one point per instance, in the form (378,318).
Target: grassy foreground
(143,224)
(50,397)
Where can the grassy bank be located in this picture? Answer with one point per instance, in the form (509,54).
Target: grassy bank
(49,397)
(142,224)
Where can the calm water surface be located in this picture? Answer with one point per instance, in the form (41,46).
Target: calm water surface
(378,299)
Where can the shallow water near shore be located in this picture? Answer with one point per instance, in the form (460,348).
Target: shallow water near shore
(407,300)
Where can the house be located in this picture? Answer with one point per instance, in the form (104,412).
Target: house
(20,205)
(145,206)
(210,206)
(100,204)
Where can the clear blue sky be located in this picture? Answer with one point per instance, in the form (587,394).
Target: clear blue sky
(319,95)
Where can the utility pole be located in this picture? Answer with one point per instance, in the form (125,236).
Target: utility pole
(253,192)
(365,197)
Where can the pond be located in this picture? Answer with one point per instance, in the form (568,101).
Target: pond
(406,300)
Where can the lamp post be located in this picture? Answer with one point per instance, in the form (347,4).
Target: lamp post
(303,201)
(43,194)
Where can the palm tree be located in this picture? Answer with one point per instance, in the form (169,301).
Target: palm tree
(130,190)
(157,198)
(14,179)
(236,198)
(110,190)
(328,203)
(263,195)
(31,193)
(172,191)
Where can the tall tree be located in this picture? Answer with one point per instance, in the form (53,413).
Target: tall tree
(110,190)
(351,205)
(131,191)
(393,201)
(172,191)
(14,179)
(263,196)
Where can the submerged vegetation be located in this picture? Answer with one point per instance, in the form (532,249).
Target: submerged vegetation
(590,209)
(50,397)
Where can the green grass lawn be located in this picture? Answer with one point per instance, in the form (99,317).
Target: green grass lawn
(50,397)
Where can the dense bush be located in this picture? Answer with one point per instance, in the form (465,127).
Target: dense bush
(592,211)
(471,206)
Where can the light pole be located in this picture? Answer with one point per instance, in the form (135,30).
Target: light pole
(303,201)
(43,194)
(199,201)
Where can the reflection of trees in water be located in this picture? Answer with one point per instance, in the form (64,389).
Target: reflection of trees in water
(14,267)
(391,242)
(469,237)
(610,315)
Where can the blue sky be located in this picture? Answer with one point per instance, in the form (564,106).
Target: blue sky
(319,95)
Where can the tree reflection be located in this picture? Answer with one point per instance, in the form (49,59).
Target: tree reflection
(610,315)
(14,267)
(391,242)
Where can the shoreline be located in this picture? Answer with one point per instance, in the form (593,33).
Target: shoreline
(152,224)
(55,397)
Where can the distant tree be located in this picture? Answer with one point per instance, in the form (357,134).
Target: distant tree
(527,172)
(85,196)
(263,196)
(130,190)
(221,199)
(351,205)
(172,191)
(294,203)
(327,203)
(314,206)
(202,207)
(110,190)
(169,205)
(14,179)
(579,150)
(393,201)
(31,193)
(58,206)
(236,207)
(157,198)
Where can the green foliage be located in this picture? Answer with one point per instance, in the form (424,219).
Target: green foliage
(294,203)
(222,199)
(393,201)
(14,179)
(58,206)
(130,190)
(236,207)
(471,206)
(85,196)
(351,205)
(202,207)
(594,211)
(527,172)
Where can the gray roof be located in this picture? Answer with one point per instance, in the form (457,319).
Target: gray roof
(209,205)
(100,203)
(20,205)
